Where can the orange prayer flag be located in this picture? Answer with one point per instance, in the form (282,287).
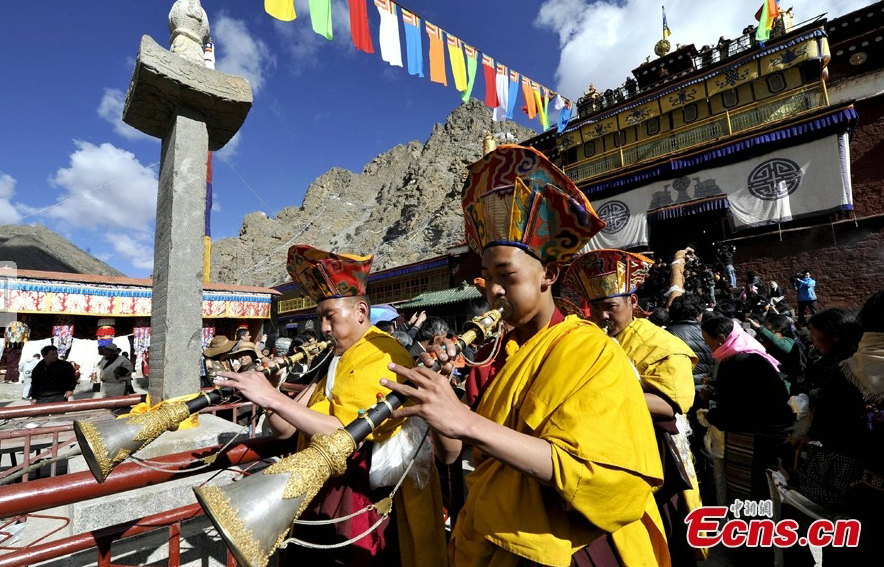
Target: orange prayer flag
(437,55)
(528,93)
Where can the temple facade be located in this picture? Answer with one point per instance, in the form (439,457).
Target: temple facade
(774,148)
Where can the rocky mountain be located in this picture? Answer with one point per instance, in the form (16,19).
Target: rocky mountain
(402,207)
(38,248)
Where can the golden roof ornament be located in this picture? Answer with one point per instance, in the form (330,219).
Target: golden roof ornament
(662,48)
(489,144)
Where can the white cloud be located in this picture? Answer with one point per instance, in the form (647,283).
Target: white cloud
(303,45)
(105,187)
(603,40)
(9,213)
(238,53)
(135,248)
(231,148)
(111,110)
(216,206)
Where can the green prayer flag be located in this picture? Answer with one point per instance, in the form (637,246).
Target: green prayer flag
(471,71)
(320,16)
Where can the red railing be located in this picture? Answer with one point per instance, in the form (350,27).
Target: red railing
(18,501)
(19,444)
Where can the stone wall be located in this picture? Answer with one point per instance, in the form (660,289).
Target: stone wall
(867,157)
(847,261)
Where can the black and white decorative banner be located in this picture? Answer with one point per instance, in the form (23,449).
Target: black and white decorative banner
(805,180)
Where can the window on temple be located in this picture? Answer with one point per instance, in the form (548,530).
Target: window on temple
(589,149)
(730,98)
(775,83)
(619,138)
(690,113)
(652,126)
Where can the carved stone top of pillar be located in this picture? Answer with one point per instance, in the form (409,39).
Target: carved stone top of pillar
(189,25)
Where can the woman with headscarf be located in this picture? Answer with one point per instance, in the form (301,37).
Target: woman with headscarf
(750,406)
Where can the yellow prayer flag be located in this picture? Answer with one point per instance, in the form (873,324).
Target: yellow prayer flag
(281,9)
(458,68)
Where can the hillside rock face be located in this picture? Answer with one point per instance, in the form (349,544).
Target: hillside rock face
(404,206)
(38,248)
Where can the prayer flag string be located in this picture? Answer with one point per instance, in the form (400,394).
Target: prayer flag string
(502,83)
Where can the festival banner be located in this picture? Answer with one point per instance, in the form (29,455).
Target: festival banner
(472,62)
(391,49)
(490,72)
(413,43)
(437,55)
(320,18)
(458,69)
(801,181)
(626,218)
(281,9)
(359,26)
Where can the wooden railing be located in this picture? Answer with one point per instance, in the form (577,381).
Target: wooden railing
(296,304)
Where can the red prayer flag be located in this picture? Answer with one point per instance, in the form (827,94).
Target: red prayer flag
(490,82)
(359,26)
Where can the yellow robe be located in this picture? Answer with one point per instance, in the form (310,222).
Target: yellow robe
(357,383)
(664,361)
(665,364)
(573,387)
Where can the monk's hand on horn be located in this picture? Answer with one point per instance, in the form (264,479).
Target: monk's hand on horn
(443,354)
(431,398)
(252,384)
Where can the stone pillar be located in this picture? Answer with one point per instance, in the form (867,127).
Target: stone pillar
(193,109)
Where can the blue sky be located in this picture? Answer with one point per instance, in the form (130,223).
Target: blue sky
(68,162)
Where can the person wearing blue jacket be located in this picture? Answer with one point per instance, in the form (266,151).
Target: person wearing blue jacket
(806,288)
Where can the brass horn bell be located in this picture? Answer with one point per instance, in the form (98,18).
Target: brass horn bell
(106,444)
(253,515)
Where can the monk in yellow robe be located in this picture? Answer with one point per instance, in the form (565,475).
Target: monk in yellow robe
(565,449)
(361,355)
(606,281)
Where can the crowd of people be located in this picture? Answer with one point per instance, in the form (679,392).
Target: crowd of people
(614,399)
(48,377)
(577,462)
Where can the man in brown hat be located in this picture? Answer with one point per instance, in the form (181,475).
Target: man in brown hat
(215,359)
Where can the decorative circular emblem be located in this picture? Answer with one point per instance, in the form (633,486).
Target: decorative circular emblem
(774,179)
(615,214)
(662,48)
(858,58)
